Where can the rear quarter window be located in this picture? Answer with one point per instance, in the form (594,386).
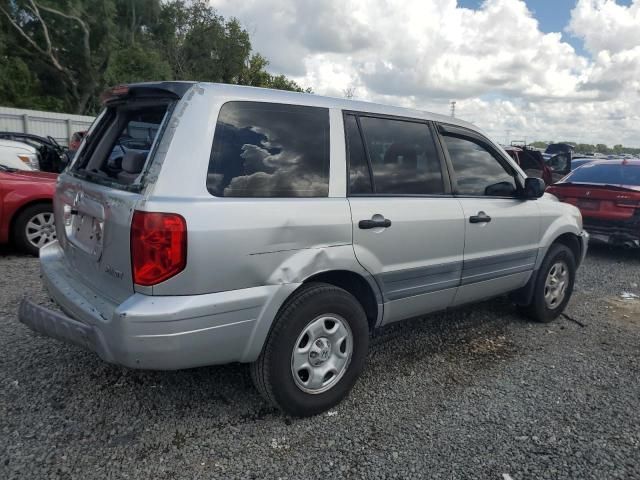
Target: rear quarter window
(270,150)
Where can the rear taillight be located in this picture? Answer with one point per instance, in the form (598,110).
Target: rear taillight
(158,246)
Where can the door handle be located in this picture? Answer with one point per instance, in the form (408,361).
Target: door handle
(367,224)
(481,217)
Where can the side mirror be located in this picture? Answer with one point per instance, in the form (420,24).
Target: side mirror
(534,187)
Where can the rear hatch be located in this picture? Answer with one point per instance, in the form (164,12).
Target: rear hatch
(97,196)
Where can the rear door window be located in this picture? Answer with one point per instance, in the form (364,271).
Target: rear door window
(402,157)
(359,174)
(270,150)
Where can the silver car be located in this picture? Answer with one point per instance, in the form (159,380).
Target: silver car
(204,224)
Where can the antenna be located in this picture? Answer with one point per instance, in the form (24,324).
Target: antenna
(453,108)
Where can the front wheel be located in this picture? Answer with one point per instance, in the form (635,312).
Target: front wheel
(554,284)
(314,352)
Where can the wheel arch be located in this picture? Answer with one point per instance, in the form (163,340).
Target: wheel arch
(572,241)
(365,290)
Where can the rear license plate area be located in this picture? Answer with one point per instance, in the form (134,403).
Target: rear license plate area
(86,233)
(589,204)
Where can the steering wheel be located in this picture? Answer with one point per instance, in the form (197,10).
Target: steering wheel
(54,142)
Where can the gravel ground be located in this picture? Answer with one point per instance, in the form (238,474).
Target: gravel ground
(474,393)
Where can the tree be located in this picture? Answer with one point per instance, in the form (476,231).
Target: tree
(61,54)
(602,148)
(71,44)
(585,148)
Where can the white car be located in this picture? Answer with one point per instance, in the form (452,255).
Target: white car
(18,155)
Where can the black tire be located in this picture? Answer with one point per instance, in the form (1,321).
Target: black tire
(272,371)
(19,232)
(538,309)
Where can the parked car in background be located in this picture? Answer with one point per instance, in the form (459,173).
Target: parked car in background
(26,208)
(531,161)
(558,158)
(52,157)
(18,155)
(579,161)
(607,192)
(286,230)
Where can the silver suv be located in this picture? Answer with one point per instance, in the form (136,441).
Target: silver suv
(204,224)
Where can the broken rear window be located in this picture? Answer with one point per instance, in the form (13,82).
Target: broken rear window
(118,149)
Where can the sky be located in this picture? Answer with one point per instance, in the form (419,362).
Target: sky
(520,70)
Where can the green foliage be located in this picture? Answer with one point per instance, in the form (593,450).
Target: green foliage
(589,148)
(585,148)
(137,64)
(601,148)
(61,54)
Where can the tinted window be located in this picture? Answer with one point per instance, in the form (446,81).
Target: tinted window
(477,171)
(359,178)
(615,174)
(403,157)
(531,160)
(270,150)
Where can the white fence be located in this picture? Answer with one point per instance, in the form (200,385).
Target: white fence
(57,125)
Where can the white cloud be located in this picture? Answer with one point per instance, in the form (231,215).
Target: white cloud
(504,72)
(605,25)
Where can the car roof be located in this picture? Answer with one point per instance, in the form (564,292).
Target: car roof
(242,92)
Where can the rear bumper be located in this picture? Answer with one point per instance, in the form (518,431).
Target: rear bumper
(615,232)
(155,332)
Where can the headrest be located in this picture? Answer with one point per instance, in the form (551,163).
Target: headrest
(407,152)
(133,161)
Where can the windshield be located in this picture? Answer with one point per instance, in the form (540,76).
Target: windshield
(602,173)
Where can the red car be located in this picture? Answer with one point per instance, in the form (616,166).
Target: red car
(531,161)
(607,192)
(26,208)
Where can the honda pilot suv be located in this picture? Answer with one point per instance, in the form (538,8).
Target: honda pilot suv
(205,224)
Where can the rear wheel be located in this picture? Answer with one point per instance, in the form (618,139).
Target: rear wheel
(554,284)
(315,351)
(34,228)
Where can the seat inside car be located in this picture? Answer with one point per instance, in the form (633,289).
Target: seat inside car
(132,165)
(402,155)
